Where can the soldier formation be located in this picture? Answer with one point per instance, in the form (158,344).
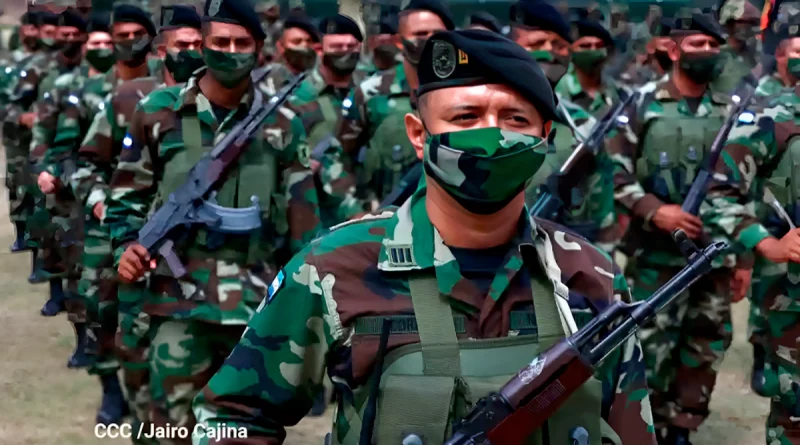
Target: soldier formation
(392,179)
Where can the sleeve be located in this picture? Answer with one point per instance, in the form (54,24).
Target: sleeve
(67,139)
(95,158)
(622,147)
(133,185)
(44,131)
(338,185)
(626,404)
(270,379)
(298,189)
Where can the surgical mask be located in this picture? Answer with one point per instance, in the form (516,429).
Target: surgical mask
(342,64)
(181,64)
(101,59)
(483,168)
(794,66)
(553,65)
(703,67)
(591,60)
(385,56)
(412,50)
(301,59)
(230,69)
(71,49)
(663,60)
(133,52)
(50,43)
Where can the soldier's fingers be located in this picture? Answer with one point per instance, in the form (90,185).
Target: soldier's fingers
(140,251)
(132,260)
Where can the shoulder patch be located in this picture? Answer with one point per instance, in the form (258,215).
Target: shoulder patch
(385,214)
(275,285)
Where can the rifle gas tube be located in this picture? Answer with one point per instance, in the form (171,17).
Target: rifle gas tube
(523,405)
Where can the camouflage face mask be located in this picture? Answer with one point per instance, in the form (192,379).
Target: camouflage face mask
(590,61)
(793,64)
(702,67)
(553,65)
(412,50)
(301,59)
(133,51)
(181,64)
(342,63)
(483,168)
(50,43)
(230,69)
(101,59)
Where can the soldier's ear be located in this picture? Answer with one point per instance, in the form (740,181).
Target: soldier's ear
(162,50)
(415,131)
(673,49)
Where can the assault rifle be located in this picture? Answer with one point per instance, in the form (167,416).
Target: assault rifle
(187,206)
(558,187)
(525,403)
(697,193)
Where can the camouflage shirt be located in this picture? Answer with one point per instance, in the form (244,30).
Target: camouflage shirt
(656,158)
(769,86)
(22,94)
(309,322)
(227,274)
(570,88)
(736,67)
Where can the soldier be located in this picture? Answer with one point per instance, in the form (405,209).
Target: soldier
(270,13)
(451,252)
(584,83)
(655,62)
(125,84)
(181,43)
(29,37)
(484,20)
(197,319)
(295,47)
(372,117)
(787,65)
(655,162)
(741,20)
(383,49)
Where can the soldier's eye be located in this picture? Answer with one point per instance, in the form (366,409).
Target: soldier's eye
(464,117)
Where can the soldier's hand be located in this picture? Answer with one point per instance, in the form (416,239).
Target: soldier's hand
(99,211)
(781,251)
(47,183)
(740,283)
(134,263)
(670,217)
(27,119)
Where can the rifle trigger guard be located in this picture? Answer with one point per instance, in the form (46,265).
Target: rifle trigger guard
(230,220)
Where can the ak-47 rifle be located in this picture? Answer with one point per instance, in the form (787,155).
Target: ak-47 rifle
(558,187)
(185,206)
(697,193)
(523,405)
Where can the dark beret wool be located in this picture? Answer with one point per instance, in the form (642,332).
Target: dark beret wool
(340,24)
(539,14)
(238,12)
(435,6)
(134,14)
(477,57)
(699,24)
(48,18)
(99,22)
(180,16)
(592,28)
(301,21)
(71,17)
(485,19)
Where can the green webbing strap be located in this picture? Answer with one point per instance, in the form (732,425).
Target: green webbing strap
(437,333)
(192,135)
(548,319)
(328,110)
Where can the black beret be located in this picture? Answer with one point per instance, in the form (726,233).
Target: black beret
(301,21)
(48,18)
(486,20)
(71,17)
(592,28)
(539,14)
(29,18)
(435,6)
(665,26)
(340,24)
(134,14)
(388,25)
(98,22)
(238,12)
(699,24)
(478,57)
(179,16)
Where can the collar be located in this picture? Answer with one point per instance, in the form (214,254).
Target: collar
(667,91)
(191,96)
(412,243)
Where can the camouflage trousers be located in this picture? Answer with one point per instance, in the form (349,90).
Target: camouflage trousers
(684,347)
(765,275)
(98,289)
(183,357)
(781,311)
(16,142)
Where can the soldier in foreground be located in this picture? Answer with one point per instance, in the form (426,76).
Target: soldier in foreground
(196,319)
(451,252)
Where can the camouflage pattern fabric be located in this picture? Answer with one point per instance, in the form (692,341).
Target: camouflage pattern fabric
(735,68)
(758,154)
(226,276)
(636,75)
(570,88)
(308,322)
(277,77)
(769,86)
(372,118)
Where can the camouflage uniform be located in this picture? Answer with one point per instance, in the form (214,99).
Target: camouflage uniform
(570,89)
(685,345)
(758,154)
(319,106)
(735,69)
(373,118)
(322,310)
(98,156)
(769,86)
(196,320)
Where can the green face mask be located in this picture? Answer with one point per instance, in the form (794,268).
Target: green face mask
(182,64)
(590,60)
(412,50)
(483,168)
(301,59)
(133,52)
(703,67)
(230,69)
(101,59)
(50,44)
(794,67)
(553,65)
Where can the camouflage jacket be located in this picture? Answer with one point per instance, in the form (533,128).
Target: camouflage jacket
(227,274)
(278,76)
(570,88)
(655,159)
(100,148)
(306,100)
(22,93)
(308,323)
(735,69)
(769,86)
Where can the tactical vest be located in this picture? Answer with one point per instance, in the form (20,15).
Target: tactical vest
(427,386)
(390,153)
(325,127)
(673,150)
(249,184)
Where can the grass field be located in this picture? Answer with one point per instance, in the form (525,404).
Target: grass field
(44,403)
